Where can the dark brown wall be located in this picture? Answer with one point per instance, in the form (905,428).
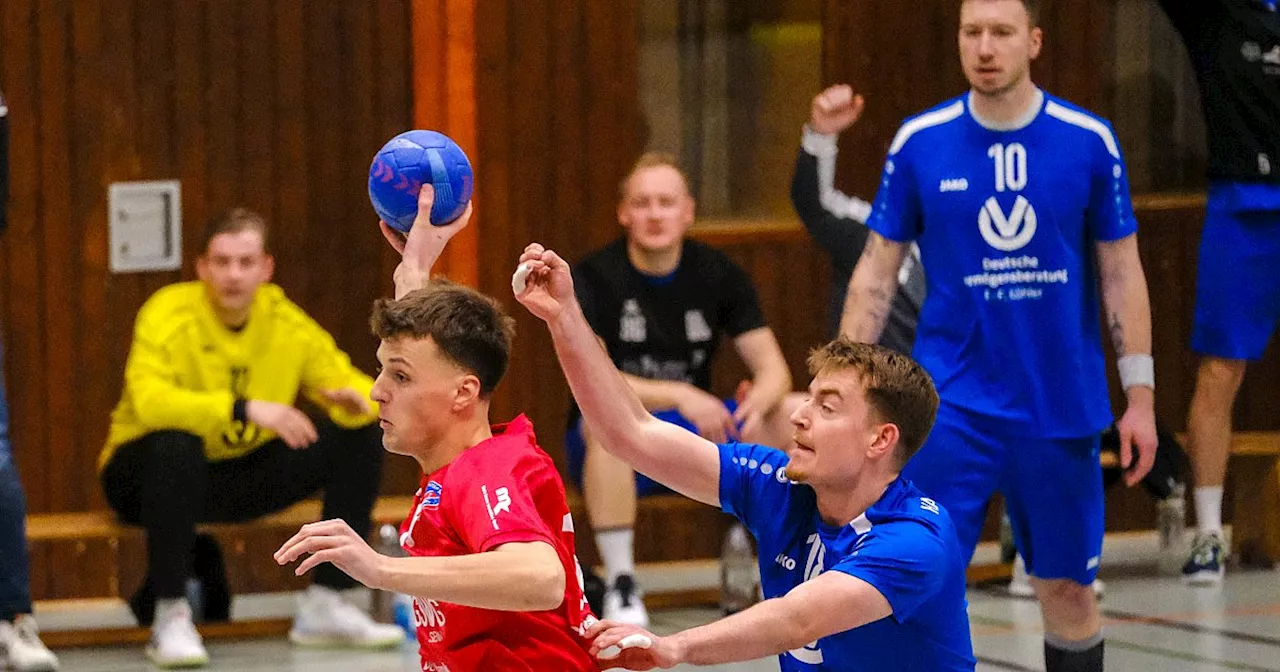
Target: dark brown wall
(262,103)
(557,99)
(270,104)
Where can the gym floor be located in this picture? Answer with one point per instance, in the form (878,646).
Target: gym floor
(1153,622)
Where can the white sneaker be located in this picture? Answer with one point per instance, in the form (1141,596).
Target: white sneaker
(624,602)
(325,619)
(20,645)
(1020,584)
(174,640)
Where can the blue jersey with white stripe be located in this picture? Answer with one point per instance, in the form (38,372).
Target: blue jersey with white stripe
(904,545)
(1007,221)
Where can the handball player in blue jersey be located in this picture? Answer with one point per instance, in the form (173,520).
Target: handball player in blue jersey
(859,568)
(1019,202)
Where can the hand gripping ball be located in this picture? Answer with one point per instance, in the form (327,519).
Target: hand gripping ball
(410,160)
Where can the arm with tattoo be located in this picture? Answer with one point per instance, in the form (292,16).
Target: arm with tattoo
(1124,293)
(871,289)
(1128,311)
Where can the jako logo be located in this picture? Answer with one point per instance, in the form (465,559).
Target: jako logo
(1007,233)
(788,564)
(961,184)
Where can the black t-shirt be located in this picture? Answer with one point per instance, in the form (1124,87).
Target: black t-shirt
(666,328)
(1235,50)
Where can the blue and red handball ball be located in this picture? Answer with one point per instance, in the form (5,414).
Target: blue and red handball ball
(407,162)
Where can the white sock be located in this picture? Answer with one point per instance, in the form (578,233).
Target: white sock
(166,605)
(617,549)
(1209,509)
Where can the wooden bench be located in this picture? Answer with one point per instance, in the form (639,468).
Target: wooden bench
(91,555)
(81,559)
(1255,502)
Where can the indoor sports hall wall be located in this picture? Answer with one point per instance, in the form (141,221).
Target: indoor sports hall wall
(279,105)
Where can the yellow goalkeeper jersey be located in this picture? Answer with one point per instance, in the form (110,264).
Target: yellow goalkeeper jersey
(186,369)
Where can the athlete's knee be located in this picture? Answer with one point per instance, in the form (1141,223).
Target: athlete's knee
(171,451)
(1066,599)
(1221,376)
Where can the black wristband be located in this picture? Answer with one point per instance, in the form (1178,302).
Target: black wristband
(240,411)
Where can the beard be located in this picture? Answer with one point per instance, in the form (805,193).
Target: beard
(1000,88)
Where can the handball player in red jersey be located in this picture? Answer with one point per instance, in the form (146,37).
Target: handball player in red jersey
(492,571)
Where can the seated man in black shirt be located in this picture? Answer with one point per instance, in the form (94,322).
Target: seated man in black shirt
(660,304)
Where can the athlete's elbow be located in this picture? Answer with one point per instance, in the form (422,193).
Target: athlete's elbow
(799,626)
(546,588)
(625,439)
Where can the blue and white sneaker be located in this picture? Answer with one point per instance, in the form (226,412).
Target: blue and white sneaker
(1206,564)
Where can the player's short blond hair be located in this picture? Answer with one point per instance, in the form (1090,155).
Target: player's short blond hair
(898,390)
(653,160)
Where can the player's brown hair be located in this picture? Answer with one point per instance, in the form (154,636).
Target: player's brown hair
(653,160)
(468,327)
(235,220)
(898,390)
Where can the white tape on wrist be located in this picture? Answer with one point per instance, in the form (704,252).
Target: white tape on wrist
(518,278)
(634,641)
(1137,371)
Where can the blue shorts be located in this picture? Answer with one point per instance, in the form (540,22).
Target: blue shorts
(576,450)
(1238,285)
(1052,490)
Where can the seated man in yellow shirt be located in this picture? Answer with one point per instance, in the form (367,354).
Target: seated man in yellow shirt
(207,431)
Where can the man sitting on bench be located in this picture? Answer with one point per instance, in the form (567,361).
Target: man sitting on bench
(207,431)
(660,304)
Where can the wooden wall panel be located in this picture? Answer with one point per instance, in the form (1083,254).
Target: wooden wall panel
(557,112)
(278,106)
(24,302)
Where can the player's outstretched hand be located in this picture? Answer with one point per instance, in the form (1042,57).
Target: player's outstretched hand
(618,645)
(424,244)
(835,110)
(348,399)
(332,541)
(290,424)
(1137,429)
(542,282)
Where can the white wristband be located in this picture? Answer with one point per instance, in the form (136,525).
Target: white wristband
(818,144)
(1137,371)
